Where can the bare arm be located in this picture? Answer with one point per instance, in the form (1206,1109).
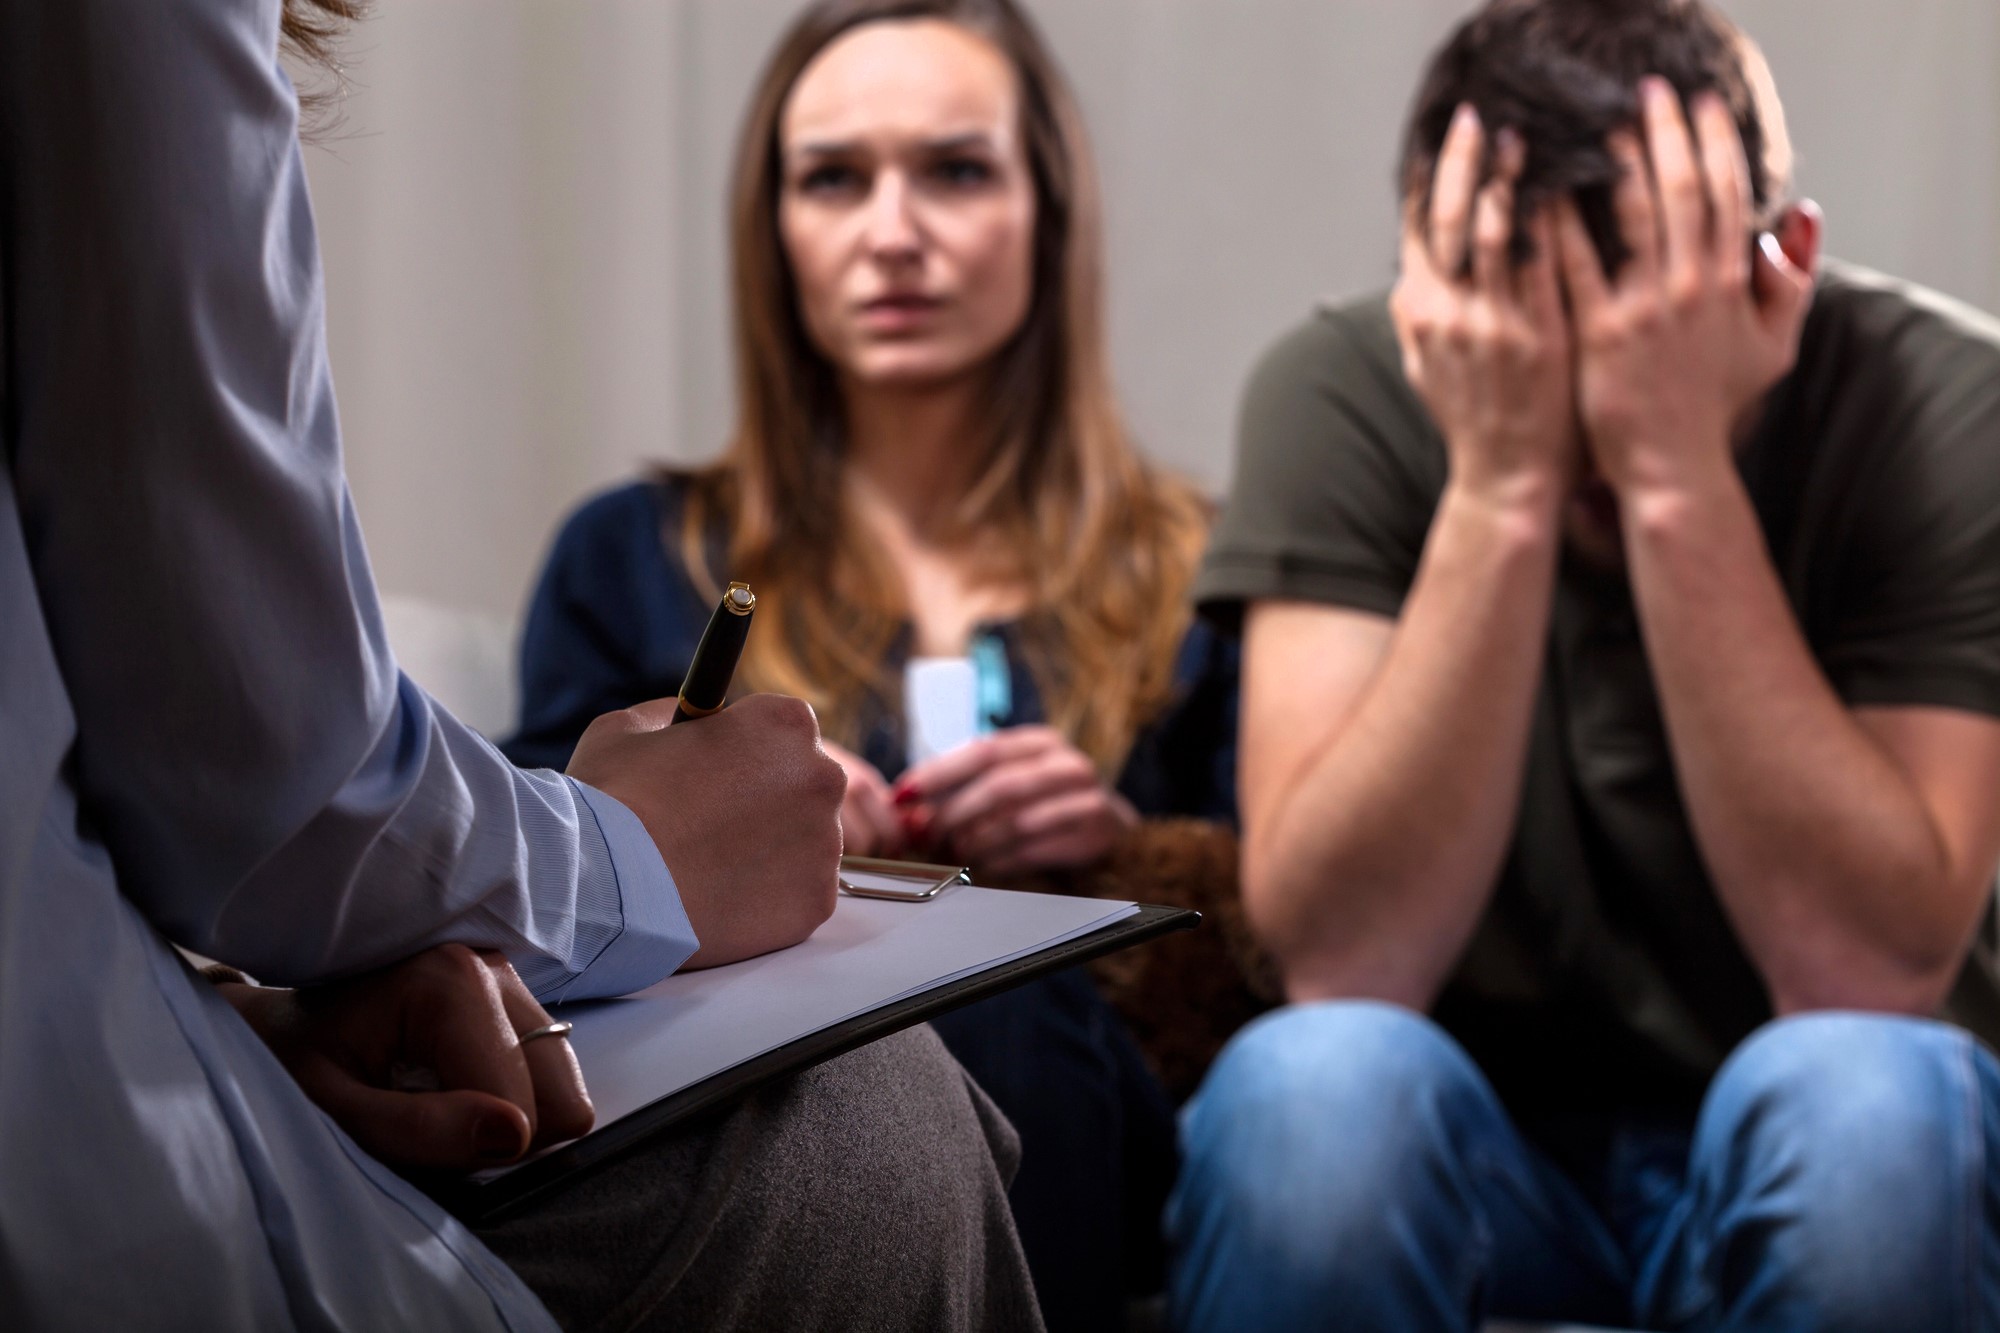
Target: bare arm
(1852,850)
(1381,762)
(1381,765)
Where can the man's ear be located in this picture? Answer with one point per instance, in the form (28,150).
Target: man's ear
(1799,229)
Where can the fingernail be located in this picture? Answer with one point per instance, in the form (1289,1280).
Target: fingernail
(1509,144)
(496,1139)
(903,795)
(1466,117)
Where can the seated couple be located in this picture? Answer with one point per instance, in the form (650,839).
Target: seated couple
(1620,603)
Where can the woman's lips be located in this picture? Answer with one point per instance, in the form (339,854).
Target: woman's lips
(889,314)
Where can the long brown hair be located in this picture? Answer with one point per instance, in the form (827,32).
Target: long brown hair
(1061,502)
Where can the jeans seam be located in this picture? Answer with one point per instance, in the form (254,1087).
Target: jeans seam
(1972,1124)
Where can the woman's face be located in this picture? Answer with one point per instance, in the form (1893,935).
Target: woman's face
(907,209)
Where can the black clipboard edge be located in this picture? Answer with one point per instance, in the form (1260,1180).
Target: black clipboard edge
(481,1204)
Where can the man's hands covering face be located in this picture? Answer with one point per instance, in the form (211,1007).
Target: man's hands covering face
(1657,367)
(1695,330)
(1484,341)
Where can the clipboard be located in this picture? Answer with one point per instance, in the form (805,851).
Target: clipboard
(482,1201)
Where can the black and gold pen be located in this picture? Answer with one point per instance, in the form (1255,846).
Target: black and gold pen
(706,687)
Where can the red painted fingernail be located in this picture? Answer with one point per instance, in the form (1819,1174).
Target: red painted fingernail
(903,795)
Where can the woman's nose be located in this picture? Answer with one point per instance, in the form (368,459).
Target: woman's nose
(892,231)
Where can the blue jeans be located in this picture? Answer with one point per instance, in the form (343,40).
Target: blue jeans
(1348,1166)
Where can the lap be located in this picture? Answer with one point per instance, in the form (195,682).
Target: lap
(1843,1168)
(866,1192)
(1347,1165)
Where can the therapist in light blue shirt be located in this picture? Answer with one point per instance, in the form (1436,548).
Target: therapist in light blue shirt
(204,736)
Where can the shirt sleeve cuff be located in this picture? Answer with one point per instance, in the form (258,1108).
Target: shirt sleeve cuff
(619,857)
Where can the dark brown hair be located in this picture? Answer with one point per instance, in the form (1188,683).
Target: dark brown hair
(1565,74)
(1061,502)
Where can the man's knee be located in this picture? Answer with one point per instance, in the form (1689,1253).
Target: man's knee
(1832,1083)
(1843,1155)
(1317,1108)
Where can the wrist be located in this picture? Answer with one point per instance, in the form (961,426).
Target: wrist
(1674,504)
(1663,462)
(1522,507)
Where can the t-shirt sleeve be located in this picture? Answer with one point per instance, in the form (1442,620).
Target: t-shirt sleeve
(1918,618)
(1338,472)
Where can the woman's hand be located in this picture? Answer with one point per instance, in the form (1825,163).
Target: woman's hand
(422,1062)
(869,824)
(1019,800)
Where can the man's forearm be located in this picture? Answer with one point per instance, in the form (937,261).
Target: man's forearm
(1367,873)
(1822,851)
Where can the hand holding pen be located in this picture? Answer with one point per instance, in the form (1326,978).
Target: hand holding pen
(745,808)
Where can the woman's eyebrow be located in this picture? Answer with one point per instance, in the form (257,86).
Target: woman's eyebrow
(852,147)
(954,142)
(824,148)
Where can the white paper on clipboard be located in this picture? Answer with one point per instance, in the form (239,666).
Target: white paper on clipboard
(694,1025)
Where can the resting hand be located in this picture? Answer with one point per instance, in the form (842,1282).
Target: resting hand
(744,806)
(869,825)
(1486,346)
(451,1016)
(1694,331)
(1019,800)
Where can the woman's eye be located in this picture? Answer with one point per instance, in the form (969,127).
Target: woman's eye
(829,178)
(963,171)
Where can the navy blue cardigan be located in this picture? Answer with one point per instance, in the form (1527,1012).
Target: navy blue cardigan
(616,616)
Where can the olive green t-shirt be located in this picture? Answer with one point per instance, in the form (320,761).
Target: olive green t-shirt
(1604,975)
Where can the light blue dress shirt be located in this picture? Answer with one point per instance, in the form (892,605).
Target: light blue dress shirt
(203,734)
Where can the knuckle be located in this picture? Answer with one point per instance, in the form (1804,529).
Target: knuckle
(786,714)
(826,780)
(452,965)
(606,725)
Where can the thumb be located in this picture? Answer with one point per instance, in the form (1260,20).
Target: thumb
(457,1130)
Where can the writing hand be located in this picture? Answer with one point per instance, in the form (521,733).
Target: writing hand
(1694,331)
(1018,800)
(744,806)
(451,1016)
(1485,342)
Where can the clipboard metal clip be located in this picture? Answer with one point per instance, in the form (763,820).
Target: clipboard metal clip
(898,881)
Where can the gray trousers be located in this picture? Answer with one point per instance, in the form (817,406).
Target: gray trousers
(869,1192)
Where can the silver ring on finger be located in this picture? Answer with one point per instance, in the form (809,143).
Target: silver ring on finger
(556,1029)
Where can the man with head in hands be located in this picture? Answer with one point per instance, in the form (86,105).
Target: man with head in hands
(1620,764)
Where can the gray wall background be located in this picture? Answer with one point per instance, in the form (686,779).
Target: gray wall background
(522,220)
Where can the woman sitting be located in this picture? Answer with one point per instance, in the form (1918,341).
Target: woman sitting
(952,540)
